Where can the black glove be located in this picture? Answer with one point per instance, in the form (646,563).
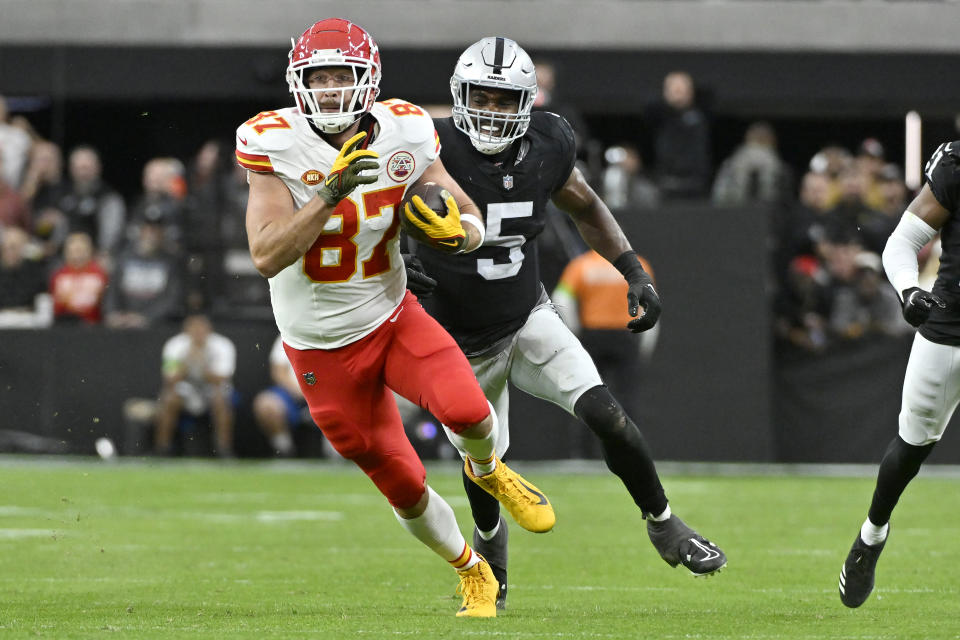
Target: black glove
(640,294)
(917,305)
(419,283)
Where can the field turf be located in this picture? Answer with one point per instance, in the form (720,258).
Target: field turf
(264,550)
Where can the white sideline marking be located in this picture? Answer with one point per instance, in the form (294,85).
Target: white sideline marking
(12,534)
(272,516)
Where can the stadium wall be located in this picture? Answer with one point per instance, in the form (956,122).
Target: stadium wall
(714,391)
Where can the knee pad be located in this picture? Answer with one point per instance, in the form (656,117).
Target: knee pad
(402,481)
(601,412)
(921,424)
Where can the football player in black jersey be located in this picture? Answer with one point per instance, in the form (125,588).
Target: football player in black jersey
(512,162)
(931,384)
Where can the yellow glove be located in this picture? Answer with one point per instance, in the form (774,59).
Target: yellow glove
(442,233)
(345,175)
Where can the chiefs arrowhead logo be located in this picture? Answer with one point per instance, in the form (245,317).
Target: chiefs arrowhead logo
(311,177)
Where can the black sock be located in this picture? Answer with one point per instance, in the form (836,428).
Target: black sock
(624,449)
(485,508)
(901,462)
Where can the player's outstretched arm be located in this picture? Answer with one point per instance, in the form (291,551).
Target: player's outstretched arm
(470,217)
(603,234)
(924,217)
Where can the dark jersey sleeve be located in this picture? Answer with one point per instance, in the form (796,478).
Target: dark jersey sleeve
(943,175)
(567,156)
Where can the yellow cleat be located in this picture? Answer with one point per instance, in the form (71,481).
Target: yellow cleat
(526,504)
(479,588)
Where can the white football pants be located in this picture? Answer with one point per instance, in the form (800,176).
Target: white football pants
(931,391)
(543,359)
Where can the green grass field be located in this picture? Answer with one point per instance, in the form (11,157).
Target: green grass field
(264,550)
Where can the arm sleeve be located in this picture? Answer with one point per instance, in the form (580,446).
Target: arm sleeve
(900,253)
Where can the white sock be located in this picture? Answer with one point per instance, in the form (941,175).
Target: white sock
(282,442)
(480,451)
(663,516)
(872,534)
(437,528)
(488,535)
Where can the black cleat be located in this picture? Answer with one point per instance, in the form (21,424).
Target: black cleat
(679,544)
(494,551)
(859,571)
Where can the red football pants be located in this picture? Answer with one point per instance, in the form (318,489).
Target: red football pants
(348,392)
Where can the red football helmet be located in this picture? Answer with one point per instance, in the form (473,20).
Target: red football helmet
(335,43)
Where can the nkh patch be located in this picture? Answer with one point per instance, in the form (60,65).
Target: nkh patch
(311,177)
(309,378)
(400,166)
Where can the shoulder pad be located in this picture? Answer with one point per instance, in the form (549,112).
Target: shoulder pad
(413,124)
(943,174)
(268,131)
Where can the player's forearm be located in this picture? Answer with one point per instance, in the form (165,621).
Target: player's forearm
(473,226)
(601,232)
(281,241)
(900,253)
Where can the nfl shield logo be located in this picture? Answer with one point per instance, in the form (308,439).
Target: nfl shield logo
(309,378)
(508,182)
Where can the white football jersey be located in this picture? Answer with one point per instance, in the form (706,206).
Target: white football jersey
(352,278)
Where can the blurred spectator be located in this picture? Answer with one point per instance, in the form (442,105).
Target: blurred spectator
(146,283)
(591,299)
(24,301)
(861,302)
(13,209)
(624,183)
(78,286)
(162,201)
(832,160)
(280,409)
(43,184)
(869,161)
(90,205)
(802,305)
(14,148)
(893,192)
(681,140)
(754,173)
(42,188)
(198,368)
(550,98)
(852,220)
(799,228)
(204,209)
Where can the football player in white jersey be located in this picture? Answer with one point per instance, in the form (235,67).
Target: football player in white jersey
(327,177)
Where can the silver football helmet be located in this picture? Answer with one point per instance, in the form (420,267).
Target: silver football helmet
(497,63)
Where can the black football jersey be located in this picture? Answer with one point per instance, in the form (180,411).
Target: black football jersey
(943,176)
(487,294)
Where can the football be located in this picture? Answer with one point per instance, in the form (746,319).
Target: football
(433,196)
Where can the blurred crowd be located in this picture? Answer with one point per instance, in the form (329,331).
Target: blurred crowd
(73,250)
(828,220)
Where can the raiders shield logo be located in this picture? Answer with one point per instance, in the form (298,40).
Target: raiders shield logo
(508,182)
(309,378)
